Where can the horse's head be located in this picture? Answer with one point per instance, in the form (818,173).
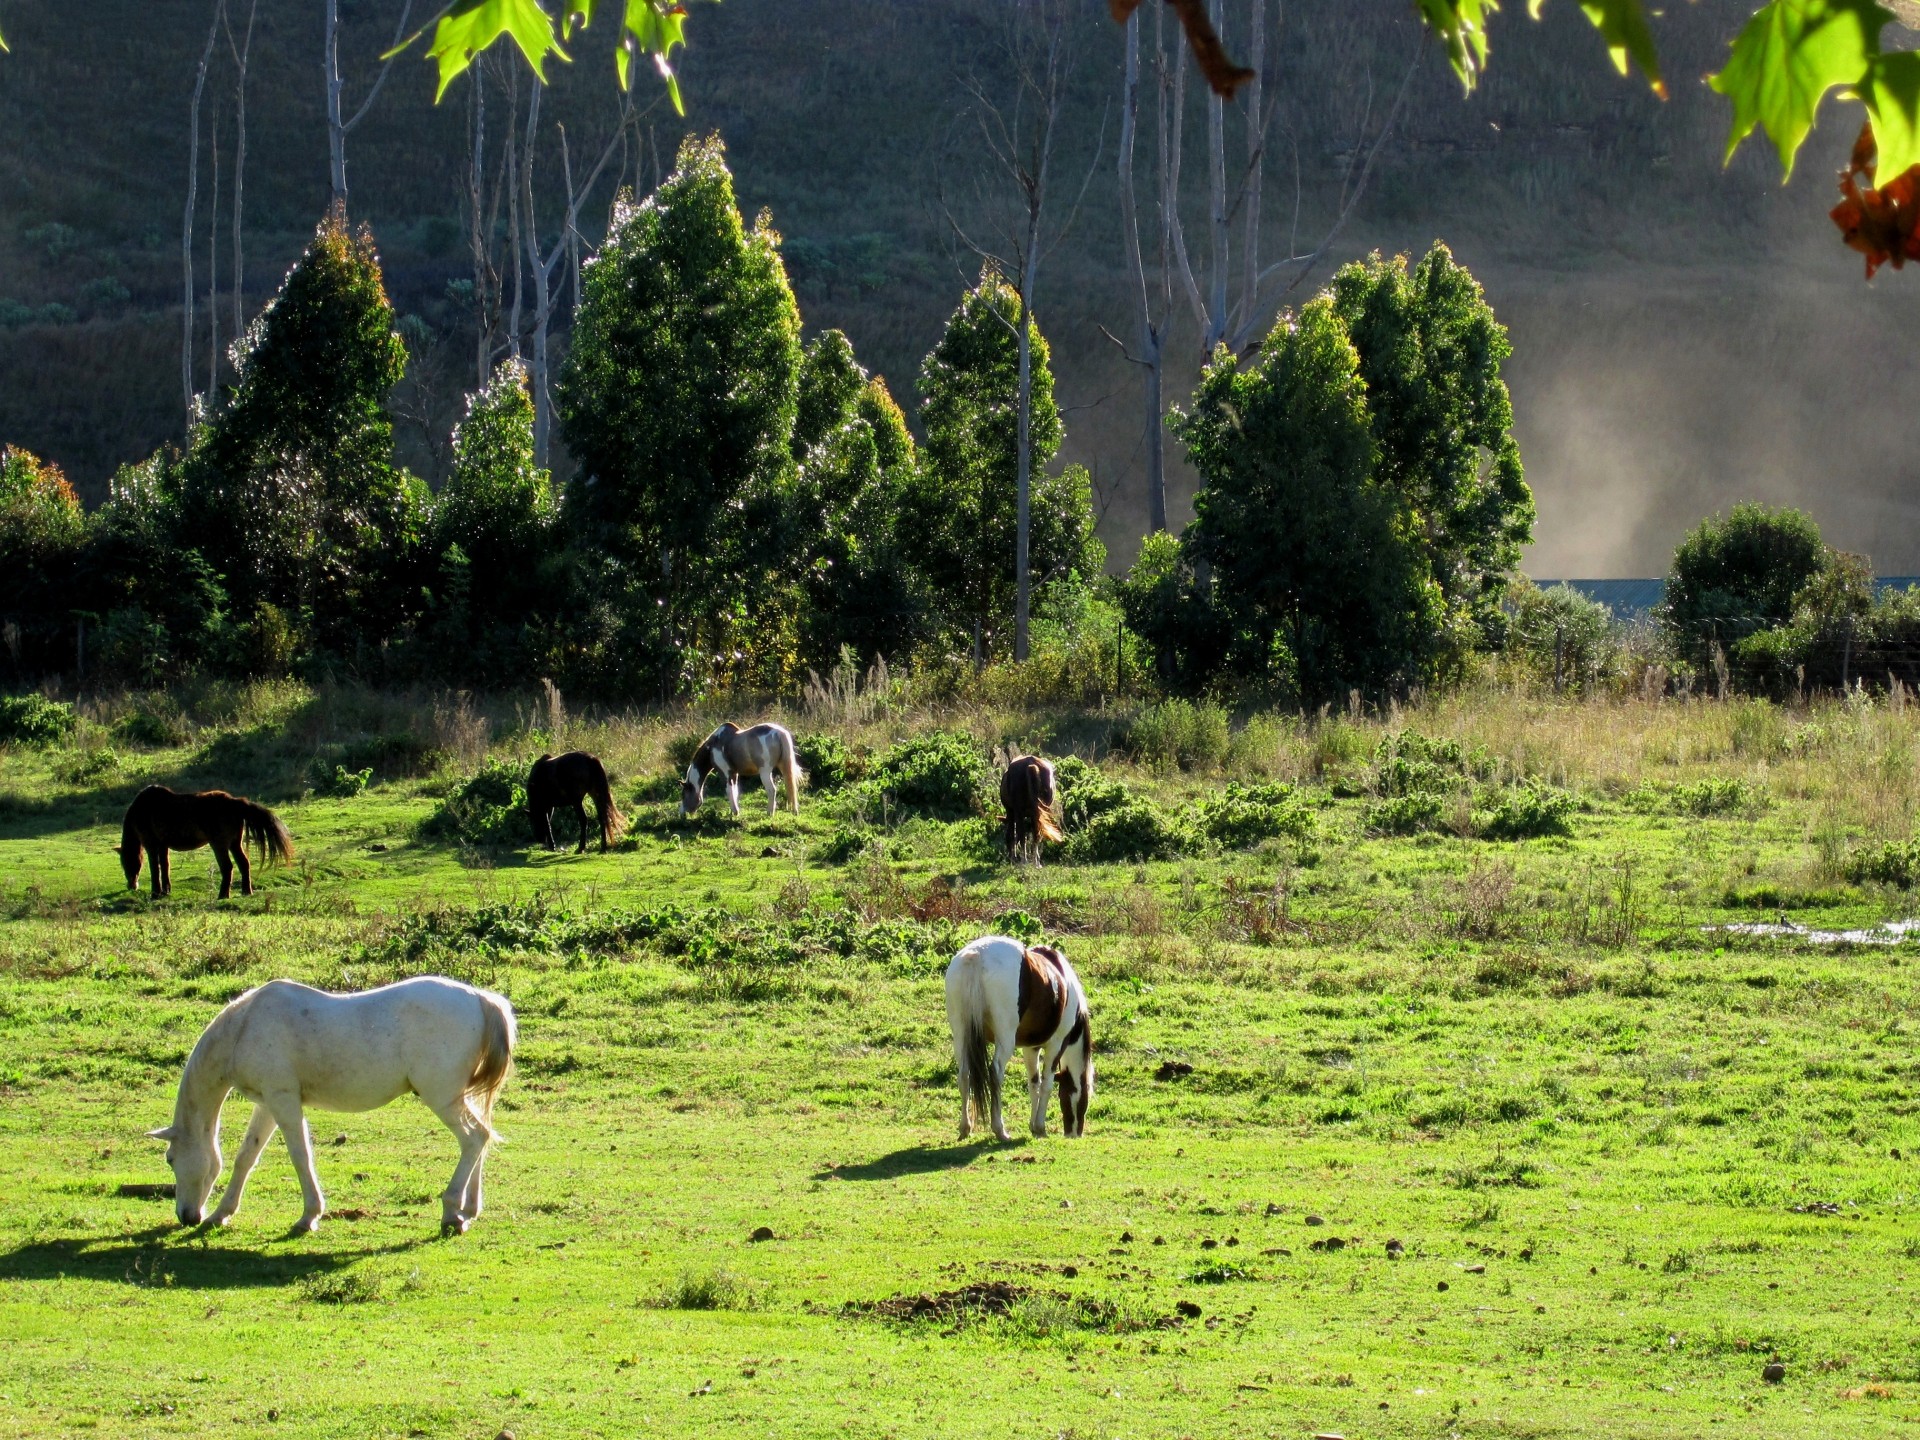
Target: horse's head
(195,1161)
(693,785)
(1074,1077)
(129,854)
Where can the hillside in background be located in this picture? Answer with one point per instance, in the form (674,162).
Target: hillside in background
(1685,336)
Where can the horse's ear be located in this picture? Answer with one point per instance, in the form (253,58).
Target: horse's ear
(165,1132)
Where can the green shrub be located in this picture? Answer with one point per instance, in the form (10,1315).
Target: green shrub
(86,767)
(1188,734)
(1085,793)
(1714,796)
(941,774)
(1137,830)
(341,783)
(844,843)
(487,809)
(1241,816)
(1895,863)
(35,720)
(829,764)
(155,721)
(1530,810)
(1407,814)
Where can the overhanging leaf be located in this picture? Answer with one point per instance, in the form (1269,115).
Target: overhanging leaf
(472,25)
(1462,28)
(1623,25)
(1892,94)
(1791,53)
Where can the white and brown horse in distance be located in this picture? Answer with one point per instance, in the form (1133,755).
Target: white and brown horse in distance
(1011,996)
(764,752)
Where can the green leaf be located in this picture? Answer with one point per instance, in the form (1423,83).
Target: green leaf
(1462,27)
(1623,25)
(472,25)
(1892,95)
(1791,53)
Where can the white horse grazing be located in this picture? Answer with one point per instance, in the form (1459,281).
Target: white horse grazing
(286,1046)
(1001,992)
(765,751)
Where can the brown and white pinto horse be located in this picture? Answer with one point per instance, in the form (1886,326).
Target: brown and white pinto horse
(1028,796)
(1012,996)
(764,751)
(160,820)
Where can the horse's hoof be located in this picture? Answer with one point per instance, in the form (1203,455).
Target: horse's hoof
(306,1225)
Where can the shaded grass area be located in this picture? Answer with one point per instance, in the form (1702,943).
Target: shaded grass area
(1406,1136)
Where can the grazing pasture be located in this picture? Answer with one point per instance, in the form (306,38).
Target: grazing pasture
(1428,1103)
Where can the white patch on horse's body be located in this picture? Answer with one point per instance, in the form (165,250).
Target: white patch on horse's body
(288,1047)
(1003,994)
(734,754)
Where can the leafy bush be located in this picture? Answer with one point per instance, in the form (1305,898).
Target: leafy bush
(1241,816)
(1189,734)
(1530,810)
(1085,793)
(829,764)
(942,773)
(85,767)
(35,720)
(1407,814)
(1714,796)
(342,783)
(1137,830)
(154,721)
(487,809)
(844,843)
(1894,863)
(1408,762)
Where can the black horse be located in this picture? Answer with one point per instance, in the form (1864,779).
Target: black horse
(568,780)
(160,820)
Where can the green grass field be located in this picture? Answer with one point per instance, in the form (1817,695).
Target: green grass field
(1630,1159)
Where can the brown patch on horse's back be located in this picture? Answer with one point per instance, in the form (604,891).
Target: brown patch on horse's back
(1042,995)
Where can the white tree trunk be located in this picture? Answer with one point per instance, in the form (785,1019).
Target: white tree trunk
(186,220)
(1153,440)
(240,60)
(336,126)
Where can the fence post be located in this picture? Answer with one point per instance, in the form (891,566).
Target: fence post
(1846,655)
(1559,639)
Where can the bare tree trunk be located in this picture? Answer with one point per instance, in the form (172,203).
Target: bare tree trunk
(542,276)
(1023,503)
(513,207)
(1256,161)
(186,220)
(240,59)
(476,180)
(213,265)
(1153,441)
(1216,208)
(336,127)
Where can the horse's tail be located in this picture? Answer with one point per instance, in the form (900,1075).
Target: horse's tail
(1044,823)
(794,777)
(974,1052)
(612,823)
(266,832)
(497,1035)
(1048,827)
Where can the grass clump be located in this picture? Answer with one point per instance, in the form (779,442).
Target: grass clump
(155,722)
(1135,830)
(1241,816)
(709,1290)
(342,783)
(1407,814)
(35,720)
(1716,795)
(343,1287)
(487,809)
(86,767)
(1183,734)
(1895,863)
(1530,811)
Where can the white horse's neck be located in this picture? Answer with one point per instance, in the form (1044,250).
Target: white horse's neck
(205,1080)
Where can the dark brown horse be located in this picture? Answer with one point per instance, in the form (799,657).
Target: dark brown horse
(1027,793)
(568,780)
(160,820)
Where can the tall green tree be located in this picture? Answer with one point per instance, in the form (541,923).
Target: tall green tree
(963,511)
(289,490)
(1319,579)
(678,400)
(1430,353)
(1736,574)
(492,537)
(43,533)
(856,460)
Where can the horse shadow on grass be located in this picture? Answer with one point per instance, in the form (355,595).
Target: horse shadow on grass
(145,1258)
(911,1160)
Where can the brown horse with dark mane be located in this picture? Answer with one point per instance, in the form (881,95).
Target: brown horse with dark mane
(568,780)
(1026,790)
(160,820)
